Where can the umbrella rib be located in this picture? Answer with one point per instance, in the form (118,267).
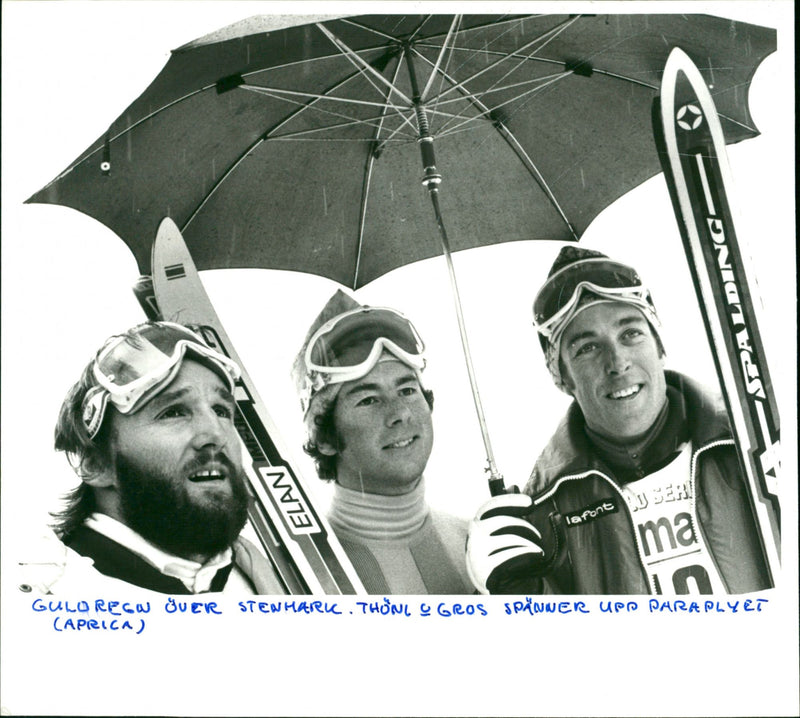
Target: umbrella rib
(308,105)
(377,32)
(119,134)
(434,72)
(351,121)
(544,82)
(520,152)
(419,28)
(621,78)
(545,38)
(177,100)
(361,26)
(445,130)
(219,182)
(303,135)
(531,167)
(540,82)
(362,218)
(650,86)
(515,19)
(484,50)
(368,72)
(276,92)
(233,167)
(357,61)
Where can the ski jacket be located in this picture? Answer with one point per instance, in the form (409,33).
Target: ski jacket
(597,551)
(51,568)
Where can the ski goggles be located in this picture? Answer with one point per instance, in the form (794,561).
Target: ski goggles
(131,369)
(348,346)
(558,300)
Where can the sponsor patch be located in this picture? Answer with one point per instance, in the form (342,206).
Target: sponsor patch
(594,511)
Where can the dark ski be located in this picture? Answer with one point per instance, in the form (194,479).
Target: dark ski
(691,145)
(295,536)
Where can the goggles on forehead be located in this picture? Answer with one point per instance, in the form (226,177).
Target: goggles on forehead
(348,346)
(558,300)
(131,369)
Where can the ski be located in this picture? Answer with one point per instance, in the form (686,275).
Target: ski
(294,535)
(691,146)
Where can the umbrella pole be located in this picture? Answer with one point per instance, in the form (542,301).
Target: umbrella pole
(431,181)
(496,485)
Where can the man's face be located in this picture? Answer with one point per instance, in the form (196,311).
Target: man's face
(179,475)
(614,369)
(383,424)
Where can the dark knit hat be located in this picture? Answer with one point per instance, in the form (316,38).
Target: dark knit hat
(572,253)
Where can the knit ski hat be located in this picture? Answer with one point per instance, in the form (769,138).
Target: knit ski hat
(350,339)
(578,279)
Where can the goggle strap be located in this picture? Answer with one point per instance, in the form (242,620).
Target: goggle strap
(93,409)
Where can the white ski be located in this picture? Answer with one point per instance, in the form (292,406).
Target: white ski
(691,145)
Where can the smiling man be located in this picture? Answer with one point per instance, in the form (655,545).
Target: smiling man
(149,430)
(640,489)
(368,419)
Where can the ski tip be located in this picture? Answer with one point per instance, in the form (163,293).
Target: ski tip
(677,57)
(678,61)
(167,226)
(167,235)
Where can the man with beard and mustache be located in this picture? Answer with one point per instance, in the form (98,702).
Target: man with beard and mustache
(162,500)
(640,489)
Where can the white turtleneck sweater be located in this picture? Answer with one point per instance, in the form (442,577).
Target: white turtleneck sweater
(398,545)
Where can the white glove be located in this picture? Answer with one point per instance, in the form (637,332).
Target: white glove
(500,545)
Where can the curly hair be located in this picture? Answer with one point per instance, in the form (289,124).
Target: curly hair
(326,434)
(85,455)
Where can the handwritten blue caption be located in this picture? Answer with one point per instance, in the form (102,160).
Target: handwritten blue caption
(532,607)
(128,616)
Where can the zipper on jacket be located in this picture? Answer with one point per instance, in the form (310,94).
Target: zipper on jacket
(694,517)
(696,525)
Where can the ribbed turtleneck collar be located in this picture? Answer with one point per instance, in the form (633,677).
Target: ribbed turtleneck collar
(375,516)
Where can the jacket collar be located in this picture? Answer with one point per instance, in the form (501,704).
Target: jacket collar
(569,452)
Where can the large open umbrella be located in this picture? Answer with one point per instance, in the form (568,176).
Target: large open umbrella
(298,149)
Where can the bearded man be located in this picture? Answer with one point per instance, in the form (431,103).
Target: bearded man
(162,501)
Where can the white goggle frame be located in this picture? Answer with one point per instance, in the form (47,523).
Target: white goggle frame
(638,295)
(319,376)
(129,397)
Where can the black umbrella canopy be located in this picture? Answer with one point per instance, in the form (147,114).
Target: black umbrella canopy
(298,149)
